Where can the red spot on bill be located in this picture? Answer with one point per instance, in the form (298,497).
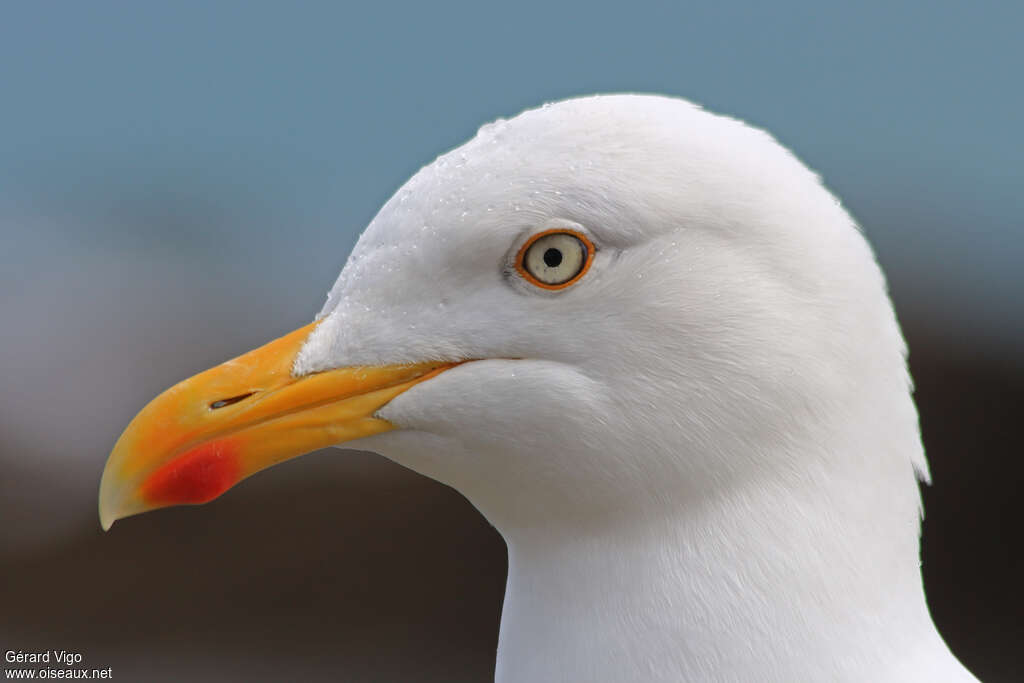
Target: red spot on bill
(196,476)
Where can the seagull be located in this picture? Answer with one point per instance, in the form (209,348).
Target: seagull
(650,347)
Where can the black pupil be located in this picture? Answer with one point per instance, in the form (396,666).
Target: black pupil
(552,257)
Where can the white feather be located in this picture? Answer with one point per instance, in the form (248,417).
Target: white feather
(702,454)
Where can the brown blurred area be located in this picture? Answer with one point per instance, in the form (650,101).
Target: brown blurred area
(971,408)
(342,566)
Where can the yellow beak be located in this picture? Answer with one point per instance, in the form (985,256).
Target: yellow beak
(202,436)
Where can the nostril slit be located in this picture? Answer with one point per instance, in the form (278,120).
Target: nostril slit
(230,401)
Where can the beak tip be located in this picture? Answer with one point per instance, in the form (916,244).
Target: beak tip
(108,503)
(107,515)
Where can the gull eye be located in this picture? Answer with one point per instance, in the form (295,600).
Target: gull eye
(555,259)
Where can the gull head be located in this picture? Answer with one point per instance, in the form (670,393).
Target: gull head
(601,306)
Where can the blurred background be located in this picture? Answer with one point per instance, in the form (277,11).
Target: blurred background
(180,182)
